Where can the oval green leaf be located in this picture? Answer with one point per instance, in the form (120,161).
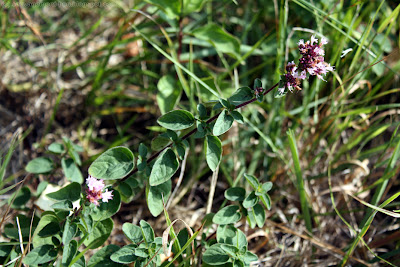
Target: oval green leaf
(99,234)
(125,255)
(157,196)
(107,209)
(39,165)
(103,257)
(132,232)
(164,167)
(235,194)
(71,171)
(213,151)
(223,41)
(215,255)
(40,255)
(250,201)
(115,163)
(227,215)
(168,93)
(223,123)
(70,192)
(176,120)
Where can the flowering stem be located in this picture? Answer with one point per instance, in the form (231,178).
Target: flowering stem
(155,155)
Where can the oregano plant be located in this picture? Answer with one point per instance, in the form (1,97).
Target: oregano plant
(80,218)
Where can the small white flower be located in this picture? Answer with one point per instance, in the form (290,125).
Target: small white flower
(324,41)
(301,42)
(313,39)
(345,52)
(319,51)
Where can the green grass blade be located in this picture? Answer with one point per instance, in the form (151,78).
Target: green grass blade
(300,183)
(366,222)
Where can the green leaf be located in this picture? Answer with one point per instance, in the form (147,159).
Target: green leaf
(230,249)
(41,187)
(215,255)
(226,233)
(223,41)
(213,151)
(249,257)
(176,120)
(181,150)
(259,214)
(266,200)
(252,181)
(124,255)
(40,255)
(22,197)
(39,165)
(115,163)
(238,263)
(250,200)
(56,148)
(107,209)
(103,257)
(63,205)
(227,215)
(266,187)
(143,150)
(164,168)
(237,116)
(141,252)
(71,171)
(257,83)
(251,218)
(73,150)
(99,234)
(70,192)
(69,252)
(48,226)
(241,95)
(240,240)
(70,230)
(235,194)
(201,109)
(171,7)
(147,232)
(132,232)
(168,93)
(80,262)
(159,142)
(190,6)
(223,123)
(155,196)
(125,189)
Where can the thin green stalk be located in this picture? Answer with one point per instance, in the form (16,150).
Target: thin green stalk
(300,183)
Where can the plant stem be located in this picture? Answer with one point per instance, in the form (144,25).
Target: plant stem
(155,155)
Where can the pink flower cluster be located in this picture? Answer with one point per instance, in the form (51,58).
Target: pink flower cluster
(311,62)
(95,191)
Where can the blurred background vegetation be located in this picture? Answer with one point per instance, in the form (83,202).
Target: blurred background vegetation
(95,72)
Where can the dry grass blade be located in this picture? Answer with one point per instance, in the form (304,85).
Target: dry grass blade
(167,250)
(387,212)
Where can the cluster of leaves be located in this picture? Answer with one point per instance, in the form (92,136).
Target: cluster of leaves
(63,229)
(70,161)
(231,244)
